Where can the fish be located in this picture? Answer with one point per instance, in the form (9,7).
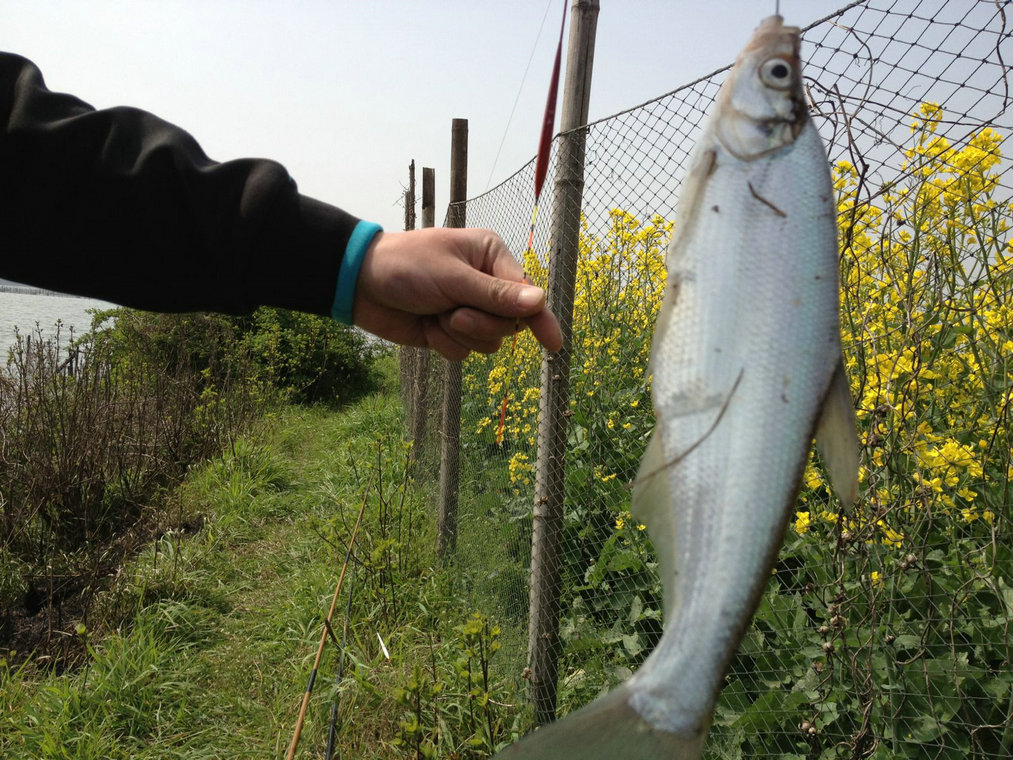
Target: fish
(747,368)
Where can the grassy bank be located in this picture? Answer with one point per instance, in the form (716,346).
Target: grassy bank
(203,644)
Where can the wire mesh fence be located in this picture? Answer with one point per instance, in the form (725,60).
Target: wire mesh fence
(884,632)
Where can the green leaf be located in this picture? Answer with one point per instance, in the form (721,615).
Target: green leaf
(631,642)
(636,609)
(770,711)
(731,705)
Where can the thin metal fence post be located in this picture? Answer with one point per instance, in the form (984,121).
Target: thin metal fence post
(543,624)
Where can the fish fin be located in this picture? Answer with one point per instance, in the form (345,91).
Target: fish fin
(652,506)
(606,729)
(837,438)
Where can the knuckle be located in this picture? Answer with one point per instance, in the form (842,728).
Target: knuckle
(501,292)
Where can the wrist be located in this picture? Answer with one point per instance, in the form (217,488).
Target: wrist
(348,273)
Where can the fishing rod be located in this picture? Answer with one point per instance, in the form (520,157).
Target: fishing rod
(332,733)
(541,169)
(327,629)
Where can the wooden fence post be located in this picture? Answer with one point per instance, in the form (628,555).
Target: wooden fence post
(409,357)
(547,524)
(446,525)
(421,382)
(428,197)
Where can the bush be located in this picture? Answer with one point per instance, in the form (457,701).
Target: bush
(309,358)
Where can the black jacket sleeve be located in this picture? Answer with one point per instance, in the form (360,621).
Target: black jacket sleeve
(120,205)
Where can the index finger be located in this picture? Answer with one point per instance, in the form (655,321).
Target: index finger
(545,327)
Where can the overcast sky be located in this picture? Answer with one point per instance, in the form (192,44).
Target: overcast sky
(345,94)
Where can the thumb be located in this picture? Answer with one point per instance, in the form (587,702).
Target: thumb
(504,298)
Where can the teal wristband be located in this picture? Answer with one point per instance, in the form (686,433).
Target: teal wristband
(348,273)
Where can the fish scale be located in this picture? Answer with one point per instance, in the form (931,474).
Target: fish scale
(746,365)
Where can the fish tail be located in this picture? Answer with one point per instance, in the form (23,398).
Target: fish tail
(607,729)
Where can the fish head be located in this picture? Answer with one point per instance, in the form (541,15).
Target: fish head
(761,106)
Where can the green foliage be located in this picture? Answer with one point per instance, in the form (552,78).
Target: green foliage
(911,666)
(217,625)
(94,434)
(307,357)
(113,708)
(449,709)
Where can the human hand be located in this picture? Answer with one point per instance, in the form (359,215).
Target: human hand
(452,290)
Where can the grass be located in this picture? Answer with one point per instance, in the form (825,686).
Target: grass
(203,644)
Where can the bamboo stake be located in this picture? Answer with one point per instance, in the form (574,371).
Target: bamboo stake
(554,404)
(421,382)
(450,450)
(327,626)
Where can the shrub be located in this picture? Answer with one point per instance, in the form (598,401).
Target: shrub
(307,357)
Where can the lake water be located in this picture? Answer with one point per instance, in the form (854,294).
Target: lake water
(26,310)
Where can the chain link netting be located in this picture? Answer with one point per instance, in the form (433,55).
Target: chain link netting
(884,632)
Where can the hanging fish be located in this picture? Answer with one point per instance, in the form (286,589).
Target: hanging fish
(746,365)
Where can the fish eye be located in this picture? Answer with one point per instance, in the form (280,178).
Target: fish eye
(777,73)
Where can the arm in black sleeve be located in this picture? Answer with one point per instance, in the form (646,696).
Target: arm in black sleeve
(120,205)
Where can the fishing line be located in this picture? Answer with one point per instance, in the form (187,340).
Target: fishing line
(679,457)
(513,108)
(541,169)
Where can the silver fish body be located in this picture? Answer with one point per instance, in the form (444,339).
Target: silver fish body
(746,364)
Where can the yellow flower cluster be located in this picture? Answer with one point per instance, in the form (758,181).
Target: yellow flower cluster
(927,273)
(854,525)
(520,468)
(625,520)
(620,280)
(927,330)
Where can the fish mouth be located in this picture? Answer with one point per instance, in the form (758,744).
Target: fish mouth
(772,31)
